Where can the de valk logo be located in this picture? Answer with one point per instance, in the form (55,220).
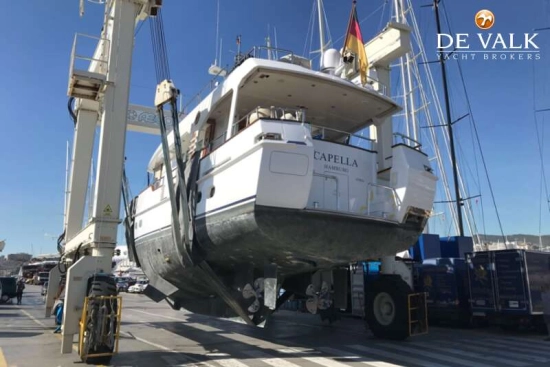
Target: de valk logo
(487,45)
(485,19)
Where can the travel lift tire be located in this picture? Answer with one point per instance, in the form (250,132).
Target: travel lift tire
(100,285)
(387,307)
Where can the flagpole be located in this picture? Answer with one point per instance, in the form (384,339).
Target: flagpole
(349,26)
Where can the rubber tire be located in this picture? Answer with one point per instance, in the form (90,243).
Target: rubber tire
(101,286)
(399,291)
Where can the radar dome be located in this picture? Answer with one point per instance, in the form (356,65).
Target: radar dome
(331,60)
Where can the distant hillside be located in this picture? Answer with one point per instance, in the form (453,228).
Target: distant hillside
(529,238)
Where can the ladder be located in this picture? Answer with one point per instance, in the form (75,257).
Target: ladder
(418,313)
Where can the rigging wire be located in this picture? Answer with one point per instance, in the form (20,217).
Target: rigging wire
(139,28)
(540,142)
(461,74)
(383,12)
(309,28)
(329,42)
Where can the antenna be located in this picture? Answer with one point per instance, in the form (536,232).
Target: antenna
(276,43)
(214,69)
(268,44)
(217,34)
(221,44)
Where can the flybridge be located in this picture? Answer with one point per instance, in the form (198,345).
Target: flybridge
(489,41)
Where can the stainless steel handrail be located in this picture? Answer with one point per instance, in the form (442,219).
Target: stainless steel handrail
(409,139)
(273,115)
(396,199)
(209,87)
(323,128)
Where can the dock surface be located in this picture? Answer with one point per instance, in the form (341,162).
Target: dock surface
(152,334)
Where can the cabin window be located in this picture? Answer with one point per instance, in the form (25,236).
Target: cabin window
(197,118)
(213,133)
(209,137)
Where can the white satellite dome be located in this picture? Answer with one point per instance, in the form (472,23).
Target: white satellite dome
(331,60)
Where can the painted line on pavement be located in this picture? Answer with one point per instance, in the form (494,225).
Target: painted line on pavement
(162,347)
(3,362)
(35,319)
(75,348)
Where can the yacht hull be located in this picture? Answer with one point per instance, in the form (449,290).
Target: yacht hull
(246,237)
(298,240)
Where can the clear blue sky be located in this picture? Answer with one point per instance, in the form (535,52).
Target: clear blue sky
(36,42)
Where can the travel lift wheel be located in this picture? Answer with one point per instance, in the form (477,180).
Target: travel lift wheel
(387,307)
(99,324)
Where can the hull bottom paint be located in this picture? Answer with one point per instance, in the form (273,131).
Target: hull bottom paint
(237,242)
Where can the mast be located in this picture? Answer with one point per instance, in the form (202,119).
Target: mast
(449,126)
(407,110)
(321,29)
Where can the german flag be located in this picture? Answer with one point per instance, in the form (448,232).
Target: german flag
(354,43)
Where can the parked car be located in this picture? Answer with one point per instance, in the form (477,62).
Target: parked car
(8,287)
(128,280)
(139,287)
(122,286)
(44,289)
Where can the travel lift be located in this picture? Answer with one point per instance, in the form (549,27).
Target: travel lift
(101,90)
(91,307)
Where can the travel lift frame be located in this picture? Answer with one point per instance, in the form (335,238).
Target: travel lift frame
(102,94)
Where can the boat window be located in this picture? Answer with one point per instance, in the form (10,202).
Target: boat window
(213,134)
(198,117)
(209,137)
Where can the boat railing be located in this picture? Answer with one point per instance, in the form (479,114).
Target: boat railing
(289,114)
(296,115)
(92,64)
(205,90)
(322,130)
(399,138)
(268,53)
(377,199)
(271,113)
(377,86)
(272,53)
(210,146)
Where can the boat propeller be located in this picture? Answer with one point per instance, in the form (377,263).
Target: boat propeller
(255,291)
(318,299)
